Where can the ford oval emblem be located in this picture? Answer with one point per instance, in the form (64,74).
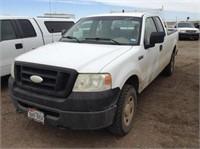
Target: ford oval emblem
(36,79)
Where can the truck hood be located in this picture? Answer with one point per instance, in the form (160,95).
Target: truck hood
(84,58)
(187,28)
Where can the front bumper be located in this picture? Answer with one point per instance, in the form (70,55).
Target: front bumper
(77,111)
(188,35)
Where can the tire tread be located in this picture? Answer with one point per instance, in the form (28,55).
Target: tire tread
(117,127)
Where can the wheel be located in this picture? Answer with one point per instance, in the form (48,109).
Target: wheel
(170,67)
(125,113)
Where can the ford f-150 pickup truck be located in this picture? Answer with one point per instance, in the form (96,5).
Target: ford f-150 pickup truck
(92,77)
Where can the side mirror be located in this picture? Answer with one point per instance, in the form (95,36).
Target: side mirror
(196,25)
(155,37)
(63,32)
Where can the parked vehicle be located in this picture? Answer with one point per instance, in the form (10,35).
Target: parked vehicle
(187,30)
(91,78)
(22,34)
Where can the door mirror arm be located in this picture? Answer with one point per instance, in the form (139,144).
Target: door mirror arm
(147,46)
(63,32)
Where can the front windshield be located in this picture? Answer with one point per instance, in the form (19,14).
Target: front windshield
(188,25)
(105,30)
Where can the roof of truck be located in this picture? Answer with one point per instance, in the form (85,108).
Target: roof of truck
(14,17)
(3,17)
(130,14)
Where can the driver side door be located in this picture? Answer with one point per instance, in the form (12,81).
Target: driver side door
(149,60)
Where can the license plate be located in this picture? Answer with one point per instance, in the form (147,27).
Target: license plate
(37,116)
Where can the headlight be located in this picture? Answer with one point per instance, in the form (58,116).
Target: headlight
(13,70)
(182,31)
(92,83)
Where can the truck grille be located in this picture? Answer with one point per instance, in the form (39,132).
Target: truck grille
(190,31)
(56,81)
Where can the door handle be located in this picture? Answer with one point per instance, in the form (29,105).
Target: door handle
(140,57)
(18,46)
(161,47)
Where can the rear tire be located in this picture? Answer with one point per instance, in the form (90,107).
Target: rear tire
(170,67)
(125,113)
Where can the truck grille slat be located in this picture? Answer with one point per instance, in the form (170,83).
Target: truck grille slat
(41,84)
(40,74)
(56,81)
(39,87)
(190,31)
(26,77)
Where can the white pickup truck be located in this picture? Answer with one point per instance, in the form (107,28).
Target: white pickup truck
(21,34)
(91,78)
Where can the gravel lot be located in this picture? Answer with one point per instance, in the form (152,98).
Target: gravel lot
(168,115)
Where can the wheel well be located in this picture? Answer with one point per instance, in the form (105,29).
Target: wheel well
(134,81)
(174,50)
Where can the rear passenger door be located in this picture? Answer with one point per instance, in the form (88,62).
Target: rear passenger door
(11,45)
(164,52)
(31,34)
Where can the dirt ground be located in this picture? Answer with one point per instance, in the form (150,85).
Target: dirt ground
(168,115)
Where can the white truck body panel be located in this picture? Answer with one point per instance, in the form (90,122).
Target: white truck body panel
(7,57)
(121,62)
(33,42)
(49,37)
(84,58)
(8,51)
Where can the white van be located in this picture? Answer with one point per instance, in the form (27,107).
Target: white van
(22,34)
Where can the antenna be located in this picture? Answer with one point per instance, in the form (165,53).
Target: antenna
(50,20)
(163,15)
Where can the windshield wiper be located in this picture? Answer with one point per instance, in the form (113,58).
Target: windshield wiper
(107,39)
(71,37)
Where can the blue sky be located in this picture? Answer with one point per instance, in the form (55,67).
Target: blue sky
(173,9)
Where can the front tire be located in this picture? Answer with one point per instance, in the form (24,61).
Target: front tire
(125,113)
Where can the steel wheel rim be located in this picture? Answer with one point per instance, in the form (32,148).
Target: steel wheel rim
(128,111)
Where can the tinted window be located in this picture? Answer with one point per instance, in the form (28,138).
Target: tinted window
(57,26)
(188,25)
(126,28)
(7,30)
(159,25)
(27,28)
(149,28)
